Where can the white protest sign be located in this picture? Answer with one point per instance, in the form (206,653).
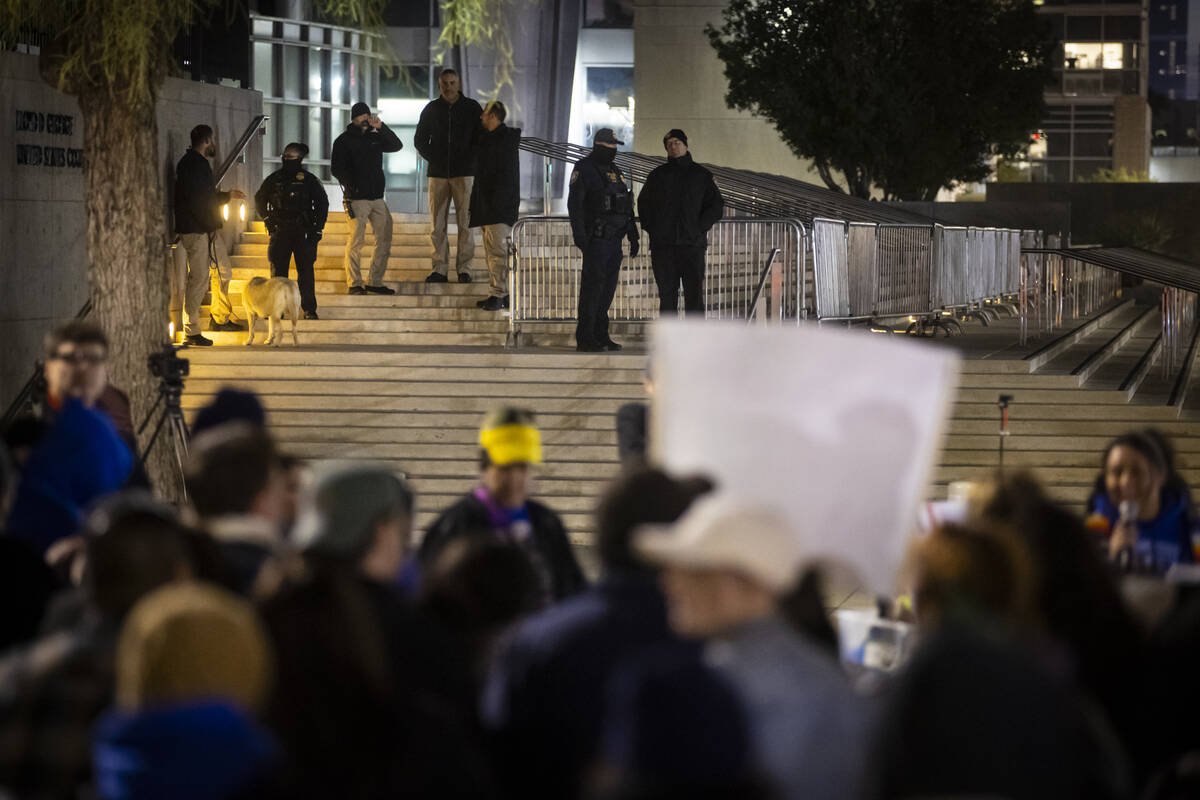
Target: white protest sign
(836,430)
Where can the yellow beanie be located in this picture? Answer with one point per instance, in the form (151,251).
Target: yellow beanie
(192,641)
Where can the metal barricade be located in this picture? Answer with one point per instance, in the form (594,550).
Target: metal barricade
(544,272)
(863,267)
(831,281)
(951,272)
(904,259)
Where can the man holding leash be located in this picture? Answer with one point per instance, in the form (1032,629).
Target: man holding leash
(198,223)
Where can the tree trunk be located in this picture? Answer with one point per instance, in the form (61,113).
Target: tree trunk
(127,257)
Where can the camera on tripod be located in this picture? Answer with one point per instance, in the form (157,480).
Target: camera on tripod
(167,366)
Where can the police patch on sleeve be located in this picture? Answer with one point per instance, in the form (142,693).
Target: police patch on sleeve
(574,176)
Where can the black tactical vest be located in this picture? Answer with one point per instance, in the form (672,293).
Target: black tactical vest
(611,209)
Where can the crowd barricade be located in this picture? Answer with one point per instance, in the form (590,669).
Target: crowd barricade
(545,265)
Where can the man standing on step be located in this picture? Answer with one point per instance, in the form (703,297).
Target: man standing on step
(357,163)
(678,205)
(601,210)
(496,198)
(198,223)
(446,137)
(293,204)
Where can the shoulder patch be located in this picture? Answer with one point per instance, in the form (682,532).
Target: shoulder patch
(299,176)
(574,176)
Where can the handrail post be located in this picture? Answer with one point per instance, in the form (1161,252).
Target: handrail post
(547,185)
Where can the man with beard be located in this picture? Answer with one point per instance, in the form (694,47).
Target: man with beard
(198,223)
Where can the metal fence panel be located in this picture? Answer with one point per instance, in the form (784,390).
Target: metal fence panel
(863,271)
(953,255)
(830,268)
(904,257)
(545,268)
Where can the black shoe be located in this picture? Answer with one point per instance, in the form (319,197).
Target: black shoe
(197,340)
(464,277)
(436,277)
(356,290)
(379,289)
(229,325)
(311,315)
(589,348)
(611,346)
(494,303)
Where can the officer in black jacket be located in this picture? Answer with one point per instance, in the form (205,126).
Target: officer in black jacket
(601,210)
(678,205)
(357,164)
(294,206)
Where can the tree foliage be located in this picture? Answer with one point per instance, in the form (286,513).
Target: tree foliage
(482,23)
(909,96)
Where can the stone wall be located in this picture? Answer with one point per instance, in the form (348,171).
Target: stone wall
(43,249)
(680,83)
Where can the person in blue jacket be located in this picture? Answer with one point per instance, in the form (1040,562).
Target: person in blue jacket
(1146,502)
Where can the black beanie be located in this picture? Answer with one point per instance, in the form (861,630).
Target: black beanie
(675,133)
(358,109)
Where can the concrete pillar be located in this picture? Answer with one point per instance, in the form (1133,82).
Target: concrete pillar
(1131,133)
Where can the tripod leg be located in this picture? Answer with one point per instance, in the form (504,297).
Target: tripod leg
(179,438)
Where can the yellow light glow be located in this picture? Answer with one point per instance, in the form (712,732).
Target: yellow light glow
(171,330)
(242,212)
(225,212)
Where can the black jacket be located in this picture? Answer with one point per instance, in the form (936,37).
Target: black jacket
(679,203)
(292,197)
(446,136)
(357,160)
(197,201)
(549,543)
(599,202)
(496,192)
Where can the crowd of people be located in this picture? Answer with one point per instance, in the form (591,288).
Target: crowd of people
(472,159)
(287,633)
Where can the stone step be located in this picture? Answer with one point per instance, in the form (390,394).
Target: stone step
(470,357)
(438,419)
(1092,445)
(1077,411)
(466,453)
(360,388)
(604,406)
(335,260)
(212,368)
(464,312)
(336,248)
(340,435)
(1105,428)
(1058,476)
(468,468)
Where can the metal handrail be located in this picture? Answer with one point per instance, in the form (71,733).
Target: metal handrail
(755,193)
(25,398)
(236,152)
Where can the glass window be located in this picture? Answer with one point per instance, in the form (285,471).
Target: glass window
(263,78)
(337,76)
(292,73)
(608,13)
(316,82)
(316,139)
(1083,28)
(609,102)
(1123,27)
(1093,55)
(1092,145)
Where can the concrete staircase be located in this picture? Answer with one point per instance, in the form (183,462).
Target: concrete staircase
(404,380)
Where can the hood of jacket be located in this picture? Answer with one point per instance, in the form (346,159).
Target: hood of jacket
(188,752)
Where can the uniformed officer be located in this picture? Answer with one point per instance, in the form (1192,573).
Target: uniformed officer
(294,205)
(601,210)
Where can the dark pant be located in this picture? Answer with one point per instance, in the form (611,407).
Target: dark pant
(289,242)
(597,285)
(674,263)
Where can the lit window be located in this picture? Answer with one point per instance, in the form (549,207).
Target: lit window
(1093,55)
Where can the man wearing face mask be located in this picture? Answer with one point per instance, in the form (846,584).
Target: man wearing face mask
(446,137)
(198,223)
(294,205)
(357,163)
(601,210)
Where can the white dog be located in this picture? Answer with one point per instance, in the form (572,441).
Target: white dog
(270,300)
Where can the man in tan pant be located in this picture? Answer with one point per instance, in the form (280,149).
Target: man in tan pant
(198,223)
(357,163)
(447,136)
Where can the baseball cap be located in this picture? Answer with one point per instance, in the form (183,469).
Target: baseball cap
(606,135)
(725,531)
